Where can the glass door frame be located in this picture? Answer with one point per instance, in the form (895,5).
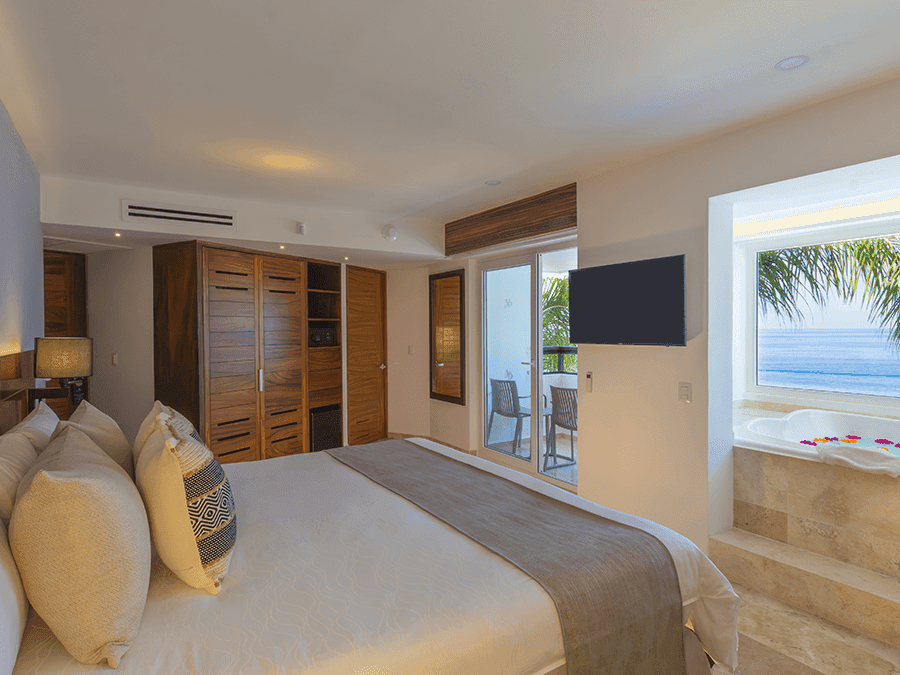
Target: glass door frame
(533,260)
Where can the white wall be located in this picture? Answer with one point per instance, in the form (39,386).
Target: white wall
(66,201)
(120,320)
(640,449)
(409,376)
(21,245)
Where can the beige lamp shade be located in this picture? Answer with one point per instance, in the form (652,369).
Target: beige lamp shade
(63,357)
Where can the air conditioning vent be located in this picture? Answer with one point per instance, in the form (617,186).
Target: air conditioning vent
(132,210)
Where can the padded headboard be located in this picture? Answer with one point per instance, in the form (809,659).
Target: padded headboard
(16,378)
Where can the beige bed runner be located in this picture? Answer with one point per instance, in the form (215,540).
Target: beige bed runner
(615,587)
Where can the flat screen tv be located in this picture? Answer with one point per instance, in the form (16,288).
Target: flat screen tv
(632,303)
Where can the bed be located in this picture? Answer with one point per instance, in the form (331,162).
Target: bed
(333,574)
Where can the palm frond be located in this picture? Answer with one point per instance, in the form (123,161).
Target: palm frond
(868,268)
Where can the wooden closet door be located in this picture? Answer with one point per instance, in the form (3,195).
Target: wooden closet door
(65,309)
(366,356)
(283,304)
(232,352)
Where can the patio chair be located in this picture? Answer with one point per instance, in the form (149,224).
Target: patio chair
(505,402)
(564,414)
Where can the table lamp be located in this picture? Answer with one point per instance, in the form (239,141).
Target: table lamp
(67,359)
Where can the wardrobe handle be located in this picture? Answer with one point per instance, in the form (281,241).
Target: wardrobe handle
(260,373)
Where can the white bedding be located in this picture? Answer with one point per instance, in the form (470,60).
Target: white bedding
(335,575)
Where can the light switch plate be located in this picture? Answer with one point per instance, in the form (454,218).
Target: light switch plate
(684,392)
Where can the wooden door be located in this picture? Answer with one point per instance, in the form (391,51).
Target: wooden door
(282,407)
(65,308)
(366,356)
(232,352)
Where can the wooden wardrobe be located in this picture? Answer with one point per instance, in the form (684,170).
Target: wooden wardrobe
(231,346)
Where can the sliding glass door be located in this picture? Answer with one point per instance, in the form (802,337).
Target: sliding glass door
(529,367)
(508,360)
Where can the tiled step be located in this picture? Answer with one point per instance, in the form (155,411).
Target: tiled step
(777,639)
(857,598)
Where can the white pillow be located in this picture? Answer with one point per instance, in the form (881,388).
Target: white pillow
(13,607)
(38,425)
(80,539)
(148,426)
(151,421)
(190,506)
(103,430)
(17,455)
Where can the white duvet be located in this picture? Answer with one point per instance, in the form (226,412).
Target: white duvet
(334,575)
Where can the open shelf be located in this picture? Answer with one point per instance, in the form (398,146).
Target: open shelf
(324,304)
(323,277)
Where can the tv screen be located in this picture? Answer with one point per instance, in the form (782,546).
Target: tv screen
(632,303)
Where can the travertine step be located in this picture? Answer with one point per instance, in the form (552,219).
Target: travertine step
(777,639)
(857,598)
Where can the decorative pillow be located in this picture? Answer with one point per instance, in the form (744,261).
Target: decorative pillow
(38,426)
(150,423)
(81,541)
(17,455)
(181,426)
(103,430)
(189,502)
(13,607)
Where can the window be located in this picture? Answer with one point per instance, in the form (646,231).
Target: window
(821,316)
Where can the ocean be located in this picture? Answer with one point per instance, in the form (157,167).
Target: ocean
(854,361)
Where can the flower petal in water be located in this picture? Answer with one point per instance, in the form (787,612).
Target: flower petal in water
(849,440)
(809,442)
(883,441)
(854,437)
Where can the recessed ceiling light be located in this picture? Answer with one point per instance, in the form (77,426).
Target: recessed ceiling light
(792,62)
(118,234)
(282,246)
(492,182)
(290,162)
(346,258)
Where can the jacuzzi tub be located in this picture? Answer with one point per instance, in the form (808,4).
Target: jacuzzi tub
(783,435)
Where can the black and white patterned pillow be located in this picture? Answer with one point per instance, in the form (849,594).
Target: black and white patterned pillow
(189,503)
(207,492)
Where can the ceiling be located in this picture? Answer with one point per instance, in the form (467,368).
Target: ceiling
(406,107)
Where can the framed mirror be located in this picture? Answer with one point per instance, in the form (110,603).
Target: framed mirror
(447,310)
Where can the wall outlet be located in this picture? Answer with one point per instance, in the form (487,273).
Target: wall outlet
(115,358)
(589,382)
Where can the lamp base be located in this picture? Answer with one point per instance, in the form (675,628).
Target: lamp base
(78,387)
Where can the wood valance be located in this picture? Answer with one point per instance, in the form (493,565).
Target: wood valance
(545,213)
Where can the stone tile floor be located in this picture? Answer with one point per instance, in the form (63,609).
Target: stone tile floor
(776,639)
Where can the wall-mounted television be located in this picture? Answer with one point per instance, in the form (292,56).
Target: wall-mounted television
(631,303)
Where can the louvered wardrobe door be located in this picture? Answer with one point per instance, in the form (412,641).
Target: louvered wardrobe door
(232,349)
(283,304)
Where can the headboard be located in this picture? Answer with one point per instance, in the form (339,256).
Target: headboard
(16,378)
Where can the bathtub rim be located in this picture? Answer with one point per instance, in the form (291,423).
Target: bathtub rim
(744,437)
